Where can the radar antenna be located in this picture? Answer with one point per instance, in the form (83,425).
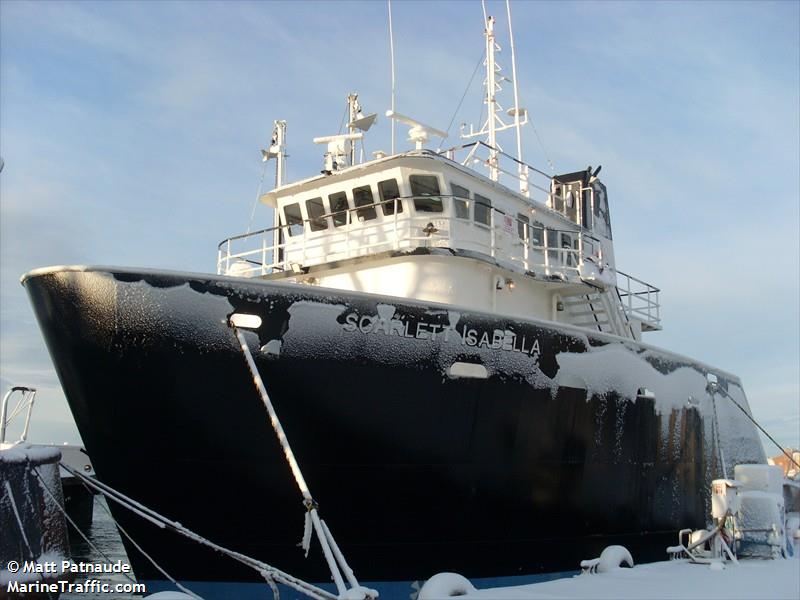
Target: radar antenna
(419,133)
(342,148)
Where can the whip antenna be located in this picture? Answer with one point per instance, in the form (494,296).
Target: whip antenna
(391,58)
(521,168)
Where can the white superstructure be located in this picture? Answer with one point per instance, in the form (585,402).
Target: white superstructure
(424,225)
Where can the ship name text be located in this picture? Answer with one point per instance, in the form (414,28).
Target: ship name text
(497,339)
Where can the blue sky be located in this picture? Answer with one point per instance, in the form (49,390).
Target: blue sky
(131,136)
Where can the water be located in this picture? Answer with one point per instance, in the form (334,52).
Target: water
(105,537)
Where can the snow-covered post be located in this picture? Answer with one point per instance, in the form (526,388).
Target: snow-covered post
(33,525)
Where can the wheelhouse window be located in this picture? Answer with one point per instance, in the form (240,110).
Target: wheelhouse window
(365,203)
(551,239)
(425,189)
(523,225)
(294,218)
(460,201)
(586,209)
(339,208)
(388,191)
(558,199)
(316,214)
(601,208)
(571,206)
(483,209)
(567,246)
(537,234)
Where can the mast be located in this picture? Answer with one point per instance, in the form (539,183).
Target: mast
(494,123)
(278,148)
(353,109)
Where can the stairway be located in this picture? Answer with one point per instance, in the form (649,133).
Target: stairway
(599,310)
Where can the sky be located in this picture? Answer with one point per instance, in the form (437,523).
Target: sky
(131,133)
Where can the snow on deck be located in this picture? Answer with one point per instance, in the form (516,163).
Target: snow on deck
(751,579)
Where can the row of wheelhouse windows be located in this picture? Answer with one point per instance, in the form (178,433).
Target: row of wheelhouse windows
(338,209)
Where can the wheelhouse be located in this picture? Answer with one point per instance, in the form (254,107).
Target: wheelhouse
(422,200)
(422,225)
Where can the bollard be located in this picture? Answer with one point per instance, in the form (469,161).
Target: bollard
(34,528)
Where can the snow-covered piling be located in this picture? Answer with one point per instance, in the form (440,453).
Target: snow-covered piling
(34,529)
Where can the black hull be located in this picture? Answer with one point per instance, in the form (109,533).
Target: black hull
(528,471)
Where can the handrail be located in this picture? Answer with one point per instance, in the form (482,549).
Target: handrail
(647,306)
(503,232)
(449,152)
(28,396)
(521,174)
(637,280)
(507,238)
(350,221)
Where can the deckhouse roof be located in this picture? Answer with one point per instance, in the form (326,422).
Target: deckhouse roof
(424,159)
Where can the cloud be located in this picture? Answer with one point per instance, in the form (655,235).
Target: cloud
(131,134)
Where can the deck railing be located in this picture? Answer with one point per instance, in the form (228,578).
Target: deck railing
(639,300)
(515,243)
(533,183)
(551,254)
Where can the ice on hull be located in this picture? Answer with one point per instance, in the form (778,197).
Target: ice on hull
(557,453)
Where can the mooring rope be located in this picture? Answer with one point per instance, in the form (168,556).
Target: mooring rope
(265,570)
(22,528)
(717,441)
(137,546)
(326,542)
(75,525)
(154,563)
(718,388)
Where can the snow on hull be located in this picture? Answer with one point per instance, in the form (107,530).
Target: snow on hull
(465,474)
(774,579)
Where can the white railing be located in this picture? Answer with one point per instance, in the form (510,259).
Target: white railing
(539,250)
(27,396)
(535,182)
(513,243)
(639,300)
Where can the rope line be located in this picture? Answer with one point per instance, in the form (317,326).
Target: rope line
(344,117)
(75,525)
(466,90)
(717,441)
(258,195)
(22,528)
(154,563)
(541,145)
(265,570)
(764,431)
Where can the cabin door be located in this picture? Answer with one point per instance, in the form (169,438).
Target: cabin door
(505,232)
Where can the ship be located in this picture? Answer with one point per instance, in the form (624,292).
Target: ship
(457,361)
